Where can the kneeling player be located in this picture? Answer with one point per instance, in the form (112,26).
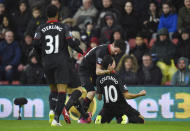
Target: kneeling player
(115,94)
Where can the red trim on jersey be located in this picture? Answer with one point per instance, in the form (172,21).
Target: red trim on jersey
(52,21)
(69,37)
(109,48)
(113,71)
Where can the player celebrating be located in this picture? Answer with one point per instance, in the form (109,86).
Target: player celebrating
(115,93)
(91,66)
(51,43)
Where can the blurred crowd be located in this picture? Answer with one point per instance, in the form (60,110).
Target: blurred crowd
(156,33)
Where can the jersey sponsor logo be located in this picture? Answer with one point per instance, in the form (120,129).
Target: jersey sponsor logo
(99,61)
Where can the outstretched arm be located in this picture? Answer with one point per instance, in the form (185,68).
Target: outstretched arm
(128,95)
(73,42)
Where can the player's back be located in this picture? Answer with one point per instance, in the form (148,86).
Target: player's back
(112,89)
(52,40)
(91,58)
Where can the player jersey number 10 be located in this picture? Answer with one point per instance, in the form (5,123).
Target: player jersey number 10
(108,94)
(53,44)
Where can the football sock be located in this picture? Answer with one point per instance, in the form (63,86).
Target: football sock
(73,99)
(60,105)
(79,107)
(86,104)
(52,100)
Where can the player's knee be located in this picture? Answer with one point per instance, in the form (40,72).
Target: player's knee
(77,93)
(80,89)
(91,94)
(89,87)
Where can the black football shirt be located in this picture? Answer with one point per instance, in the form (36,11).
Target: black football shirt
(95,56)
(50,40)
(112,88)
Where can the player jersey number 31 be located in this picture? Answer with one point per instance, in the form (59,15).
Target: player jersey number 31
(52,44)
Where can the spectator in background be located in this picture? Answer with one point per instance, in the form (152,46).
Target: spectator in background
(21,17)
(2,11)
(108,29)
(182,76)
(118,35)
(127,70)
(94,42)
(183,46)
(107,7)
(42,4)
(35,21)
(84,12)
(165,51)
(71,23)
(168,19)
(151,20)
(11,5)
(140,48)
(130,21)
(74,5)
(141,5)
(149,73)
(6,25)
(184,16)
(10,54)
(64,11)
(88,32)
(33,73)
(26,47)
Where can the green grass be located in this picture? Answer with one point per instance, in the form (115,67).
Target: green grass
(41,125)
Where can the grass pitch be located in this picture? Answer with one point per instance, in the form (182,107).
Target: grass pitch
(41,125)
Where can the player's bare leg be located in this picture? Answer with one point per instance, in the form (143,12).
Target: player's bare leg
(52,101)
(60,103)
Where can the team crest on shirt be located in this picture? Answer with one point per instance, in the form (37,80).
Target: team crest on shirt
(99,60)
(35,35)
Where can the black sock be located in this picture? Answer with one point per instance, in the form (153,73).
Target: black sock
(73,99)
(86,104)
(79,107)
(52,100)
(60,105)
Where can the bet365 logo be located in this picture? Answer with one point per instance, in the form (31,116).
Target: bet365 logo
(164,107)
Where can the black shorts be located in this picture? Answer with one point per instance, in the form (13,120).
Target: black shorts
(109,113)
(87,79)
(64,73)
